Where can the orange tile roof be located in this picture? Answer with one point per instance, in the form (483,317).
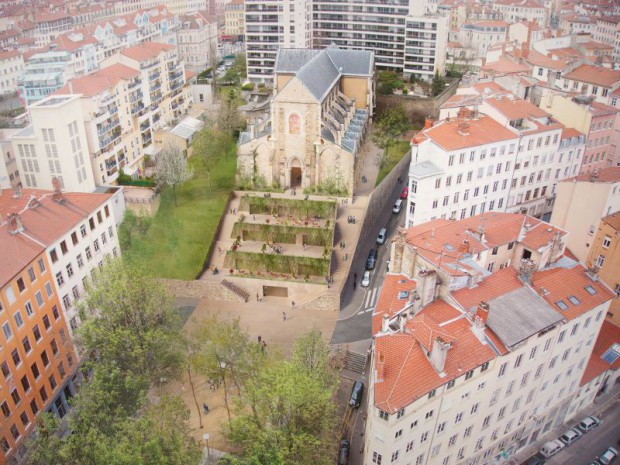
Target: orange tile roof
(9,54)
(482,130)
(613,221)
(608,335)
(408,374)
(515,108)
(499,283)
(146,50)
(567,133)
(594,75)
(17,253)
(505,65)
(459,100)
(560,283)
(538,59)
(388,302)
(611,174)
(97,82)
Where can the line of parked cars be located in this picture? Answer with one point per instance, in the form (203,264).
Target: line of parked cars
(549,449)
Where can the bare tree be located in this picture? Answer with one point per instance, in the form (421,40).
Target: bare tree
(172,168)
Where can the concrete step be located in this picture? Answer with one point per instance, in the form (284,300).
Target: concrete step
(355,362)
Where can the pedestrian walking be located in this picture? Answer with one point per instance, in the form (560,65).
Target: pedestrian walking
(259,339)
(263,346)
(257,299)
(205,407)
(354,285)
(293,305)
(283,316)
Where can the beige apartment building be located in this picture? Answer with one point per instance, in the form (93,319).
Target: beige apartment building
(605,255)
(580,204)
(198,38)
(234,19)
(472,363)
(96,125)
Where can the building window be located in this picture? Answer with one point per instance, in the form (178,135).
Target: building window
(383,415)
(606,241)
(469,374)
(69,270)
(6,329)
(59,279)
(376,458)
(19,321)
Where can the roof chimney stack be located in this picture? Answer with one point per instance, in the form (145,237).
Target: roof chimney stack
(14,223)
(57,196)
(385,323)
(380,371)
(439,354)
(428,122)
(482,314)
(526,270)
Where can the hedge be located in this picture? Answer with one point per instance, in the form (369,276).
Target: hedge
(283,207)
(276,263)
(281,233)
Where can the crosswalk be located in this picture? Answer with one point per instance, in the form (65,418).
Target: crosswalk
(370,300)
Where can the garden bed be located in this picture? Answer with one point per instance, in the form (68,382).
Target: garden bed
(268,265)
(282,233)
(284,207)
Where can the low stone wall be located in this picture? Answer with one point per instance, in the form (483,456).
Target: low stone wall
(328,301)
(200,289)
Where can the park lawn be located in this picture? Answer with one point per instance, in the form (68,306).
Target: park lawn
(394,153)
(179,238)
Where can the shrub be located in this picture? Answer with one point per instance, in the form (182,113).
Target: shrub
(248,86)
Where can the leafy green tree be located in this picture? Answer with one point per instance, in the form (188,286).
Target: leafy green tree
(172,168)
(133,324)
(391,123)
(210,145)
(133,226)
(288,414)
(228,118)
(438,85)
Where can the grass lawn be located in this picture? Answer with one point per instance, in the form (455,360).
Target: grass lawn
(179,238)
(393,154)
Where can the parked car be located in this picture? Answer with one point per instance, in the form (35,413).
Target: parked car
(372,259)
(404,193)
(549,449)
(343,452)
(382,236)
(588,423)
(366,279)
(397,206)
(571,436)
(536,459)
(609,456)
(356,394)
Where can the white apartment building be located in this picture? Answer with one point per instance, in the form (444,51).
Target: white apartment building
(197,40)
(103,122)
(11,66)
(9,172)
(493,152)
(426,39)
(480,35)
(516,10)
(607,30)
(234,19)
(474,369)
(595,81)
(270,25)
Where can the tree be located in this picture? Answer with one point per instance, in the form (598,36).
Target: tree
(209,145)
(228,118)
(135,326)
(438,85)
(172,168)
(390,124)
(287,415)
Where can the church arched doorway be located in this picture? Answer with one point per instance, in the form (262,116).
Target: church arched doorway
(295,173)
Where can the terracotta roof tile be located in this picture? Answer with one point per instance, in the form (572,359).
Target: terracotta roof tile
(499,283)
(146,50)
(609,335)
(388,302)
(611,174)
(613,221)
(561,283)
(97,82)
(515,108)
(567,133)
(505,65)
(482,130)
(594,75)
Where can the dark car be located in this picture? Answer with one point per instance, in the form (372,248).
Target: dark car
(372,258)
(356,394)
(343,453)
(537,459)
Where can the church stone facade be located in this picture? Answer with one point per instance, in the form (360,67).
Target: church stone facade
(323,101)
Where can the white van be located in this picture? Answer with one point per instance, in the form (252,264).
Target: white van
(382,236)
(551,448)
(397,206)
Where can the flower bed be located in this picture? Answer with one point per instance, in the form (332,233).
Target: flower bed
(283,207)
(282,233)
(276,263)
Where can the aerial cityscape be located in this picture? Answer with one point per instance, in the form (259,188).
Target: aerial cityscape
(309,232)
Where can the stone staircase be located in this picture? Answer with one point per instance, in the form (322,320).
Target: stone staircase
(236,289)
(355,362)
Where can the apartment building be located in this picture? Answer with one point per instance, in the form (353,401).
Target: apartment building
(580,204)
(11,66)
(471,362)
(596,120)
(234,19)
(480,35)
(50,24)
(38,358)
(105,120)
(197,40)
(590,80)
(43,74)
(425,46)
(9,172)
(607,30)
(530,10)
(490,152)
(77,230)
(604,253)
(269,26)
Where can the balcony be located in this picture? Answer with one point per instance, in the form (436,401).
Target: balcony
(155,98)
(105,142)
(154,75)
(172,75)
(176,85)
(104,128)
(145,126)
(155,87)
(134,85)
(137,108)
(149,64)
(136,96)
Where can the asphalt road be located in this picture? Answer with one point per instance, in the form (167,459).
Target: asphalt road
(593,443)
(355,322)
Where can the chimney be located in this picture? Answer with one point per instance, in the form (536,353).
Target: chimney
(14,223)
(17,192)
(57,196)
(438,354)
(414,300)
(402,319)
(426,283)
(526,269)
(592,273)
(428,123)
(385,323)
(482,314)
(464,247)
(380,371)
(463,128)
